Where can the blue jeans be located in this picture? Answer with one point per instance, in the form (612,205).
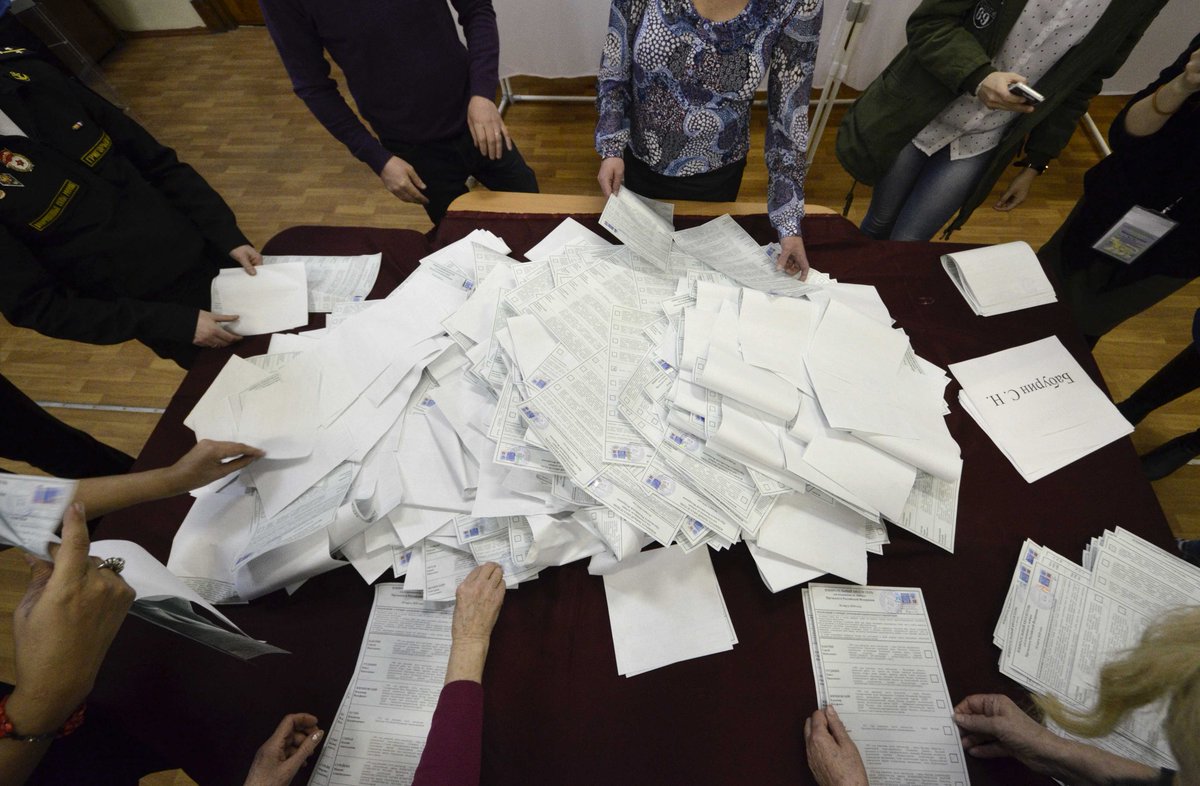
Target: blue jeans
(920,193)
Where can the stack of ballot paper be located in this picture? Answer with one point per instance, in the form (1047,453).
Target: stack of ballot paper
(999,279)
(875,661)
(677,389)
(1062,622)
(1039,406)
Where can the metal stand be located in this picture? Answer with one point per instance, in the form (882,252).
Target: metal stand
(843,54)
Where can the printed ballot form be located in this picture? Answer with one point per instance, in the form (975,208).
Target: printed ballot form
(875,660)
(384,718)
(333,280)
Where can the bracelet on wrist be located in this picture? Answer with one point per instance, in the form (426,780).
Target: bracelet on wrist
(1025,163)
(7,731)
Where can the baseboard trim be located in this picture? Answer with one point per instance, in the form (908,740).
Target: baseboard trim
(166,33)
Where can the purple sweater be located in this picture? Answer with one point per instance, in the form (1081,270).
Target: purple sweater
(454,748)
(410,75)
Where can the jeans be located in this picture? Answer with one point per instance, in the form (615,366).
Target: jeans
(444,167)
(920,193)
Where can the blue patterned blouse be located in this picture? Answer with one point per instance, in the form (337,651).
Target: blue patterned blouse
(676,88)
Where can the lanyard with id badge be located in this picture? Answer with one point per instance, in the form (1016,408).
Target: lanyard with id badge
(1136,232)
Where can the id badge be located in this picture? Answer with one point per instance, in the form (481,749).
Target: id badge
(1134,234)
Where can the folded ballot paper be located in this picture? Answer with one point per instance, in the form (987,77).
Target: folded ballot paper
(999,279)
(676,389)
(1039,406)
(1062,622)
(274,298)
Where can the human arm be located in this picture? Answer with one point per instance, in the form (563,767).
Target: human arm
(478,21)
(944,46)
(789,83)
(287,750)
(178,182)
(31,297)
(832,755)
(1150,110)
(614,87)
(62,629)
(203,464)
(303,55)
(453,750)
(995,727)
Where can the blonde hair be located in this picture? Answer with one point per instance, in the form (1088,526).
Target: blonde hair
(1164,664)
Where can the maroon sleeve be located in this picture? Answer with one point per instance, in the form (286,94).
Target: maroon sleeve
(478,21)
(454,748)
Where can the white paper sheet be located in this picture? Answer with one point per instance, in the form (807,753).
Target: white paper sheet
(334,279)
(274,299)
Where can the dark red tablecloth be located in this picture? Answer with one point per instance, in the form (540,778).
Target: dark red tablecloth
(556,710)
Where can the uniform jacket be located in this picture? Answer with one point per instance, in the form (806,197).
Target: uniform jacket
(950,46)
(105,235)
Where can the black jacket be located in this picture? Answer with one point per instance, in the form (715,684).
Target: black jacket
(105,235)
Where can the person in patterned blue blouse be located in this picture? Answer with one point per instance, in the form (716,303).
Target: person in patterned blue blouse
(676,81)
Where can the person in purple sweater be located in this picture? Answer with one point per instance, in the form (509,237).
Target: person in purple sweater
(454,749)
(429,99)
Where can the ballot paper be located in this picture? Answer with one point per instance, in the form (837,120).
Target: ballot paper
(31,511)
(876,662)
(381,726)
(999,279)
(332,280)
(274,299)
(724,246)
(1039,406)
(164,600)
(634,222)
(1062,622)
(666,606)
(569,232)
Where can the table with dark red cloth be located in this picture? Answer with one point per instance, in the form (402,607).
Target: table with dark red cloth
(555,709)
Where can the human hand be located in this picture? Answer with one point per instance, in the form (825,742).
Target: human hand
(403,181)
(62,629)
(1189,80)
(487,127)
(612,174)
(832,755)
(205,462)
(211,333)
(247,257)
(479,598)
(792,257)
(994,727)
(993,92)
(1017,192)
(285,751)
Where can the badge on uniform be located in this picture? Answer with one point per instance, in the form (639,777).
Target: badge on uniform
(17,75)
(9,181)
(15,161)
(1134,234)
(983,15)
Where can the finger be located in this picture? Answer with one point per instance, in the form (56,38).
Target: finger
(225,317)
(248,266)
(225,450)
(977,724)
(507,138)
(476,137)
(71,560)
(39,570)
(494,142)
(820,724)
(306,748)
(413,195)
(836,727)
(991,750)
(807,730)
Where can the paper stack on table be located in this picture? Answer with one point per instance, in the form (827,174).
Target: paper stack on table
(1062,622)
(1038,405)
(876,662)
(580,406)
(274,298)
(333,280)
(999,279)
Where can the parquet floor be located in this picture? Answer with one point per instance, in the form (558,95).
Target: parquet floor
(224,102)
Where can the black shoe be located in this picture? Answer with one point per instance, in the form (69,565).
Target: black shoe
(1131,412)
(1167,458)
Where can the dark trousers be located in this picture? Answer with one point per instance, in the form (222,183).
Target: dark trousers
(719,185)
(28,433)
(444,167)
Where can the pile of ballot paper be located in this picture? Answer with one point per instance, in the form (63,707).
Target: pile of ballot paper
(1062,622)
(677,389)
(1038,405)
(1000,279)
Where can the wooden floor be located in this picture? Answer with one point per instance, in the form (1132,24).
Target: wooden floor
(224,103)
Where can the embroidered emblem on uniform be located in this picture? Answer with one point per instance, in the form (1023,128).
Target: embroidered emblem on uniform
(12,50)
(10,181)
(77,125)
(17,75)
(65,194)
(983,15)
(15,161)
(98,150)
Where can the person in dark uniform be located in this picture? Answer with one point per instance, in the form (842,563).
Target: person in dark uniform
(105,236)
